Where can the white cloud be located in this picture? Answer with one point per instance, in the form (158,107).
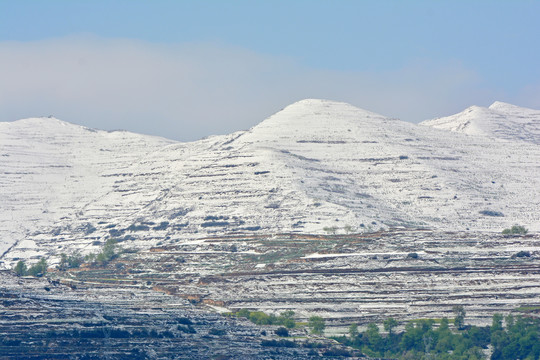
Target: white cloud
(192,90)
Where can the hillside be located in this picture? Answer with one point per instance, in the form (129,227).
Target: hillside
(317,166)
(500,120)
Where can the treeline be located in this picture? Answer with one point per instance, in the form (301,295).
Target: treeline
(110,251)
(421,340)
(260,318)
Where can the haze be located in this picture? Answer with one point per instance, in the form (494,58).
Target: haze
(185,70)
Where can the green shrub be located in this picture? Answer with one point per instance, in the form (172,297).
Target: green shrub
(108,253)
(316,324)
(515,230)
(260,318)
(278,343)
(70,261)
(20,269)
(39,268)
(243,313)
(286,319)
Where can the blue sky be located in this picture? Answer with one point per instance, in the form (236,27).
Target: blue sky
(188,69)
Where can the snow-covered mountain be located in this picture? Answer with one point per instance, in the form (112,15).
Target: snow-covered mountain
(317,166)
(50,170)
(499,120)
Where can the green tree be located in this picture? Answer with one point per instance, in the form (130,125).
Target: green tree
(353,330)
(496,322)
(317,325)
(260,318)
(20,269)
(109,250)
(286,319)
(108,253)
(39,268)
(374,337)
(71,261)
(243,313)
(459,320)
(389,325)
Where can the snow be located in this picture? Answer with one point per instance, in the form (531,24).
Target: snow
(313,166)
(499,120)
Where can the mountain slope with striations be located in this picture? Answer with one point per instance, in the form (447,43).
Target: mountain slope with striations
(317,166)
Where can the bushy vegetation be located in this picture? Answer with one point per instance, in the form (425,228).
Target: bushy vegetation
(74,260)
(516,230)
(260,318)
(316,325)
(278,343)
(71,261)
(519,339)
(21,268)
(108,253)
(37,270)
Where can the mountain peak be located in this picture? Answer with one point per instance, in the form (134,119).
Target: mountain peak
(499,120)
(501,105)
(44,123)
(314,120)
(40,120)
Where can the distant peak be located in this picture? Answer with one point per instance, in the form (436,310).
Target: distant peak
(310,106)
(474,108)
(40,119)
(45,122)
(500,105)
(313,103)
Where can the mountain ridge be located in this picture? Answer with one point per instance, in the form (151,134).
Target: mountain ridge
(314,167)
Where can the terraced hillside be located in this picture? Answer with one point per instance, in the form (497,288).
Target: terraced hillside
(344,278)
(42,319)
(313,166)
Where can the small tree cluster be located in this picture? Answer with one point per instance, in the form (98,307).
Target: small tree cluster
(516,230)
(37,270)
(317,325)
(71,261)
(108,253)
(260,318)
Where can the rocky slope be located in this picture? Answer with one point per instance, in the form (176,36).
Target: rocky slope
(317,166)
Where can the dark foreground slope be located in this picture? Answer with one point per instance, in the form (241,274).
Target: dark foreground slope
(165,302)
(40,319)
